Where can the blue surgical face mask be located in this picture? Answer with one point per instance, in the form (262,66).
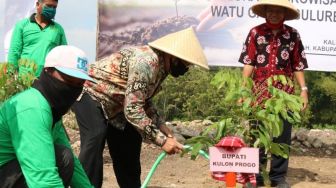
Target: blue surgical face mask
(48,12)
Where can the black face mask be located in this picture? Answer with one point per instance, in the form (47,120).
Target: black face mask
(60,95)
(178,68)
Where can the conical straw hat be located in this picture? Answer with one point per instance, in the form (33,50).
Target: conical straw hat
(260,8)
(184,45)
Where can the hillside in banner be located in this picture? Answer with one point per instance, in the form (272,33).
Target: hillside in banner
(114,36)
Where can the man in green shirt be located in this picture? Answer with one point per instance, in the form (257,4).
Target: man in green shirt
(34,148)
(35,36)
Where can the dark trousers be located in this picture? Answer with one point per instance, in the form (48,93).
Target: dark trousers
(124,145)
(125,149)
(92,129)
(279,165)
(11,175)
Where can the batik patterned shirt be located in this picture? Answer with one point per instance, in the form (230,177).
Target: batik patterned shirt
(280,54)
(126,81)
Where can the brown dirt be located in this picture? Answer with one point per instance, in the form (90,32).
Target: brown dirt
(181,172)
(309,169)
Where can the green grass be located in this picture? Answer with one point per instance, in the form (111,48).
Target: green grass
(324,126)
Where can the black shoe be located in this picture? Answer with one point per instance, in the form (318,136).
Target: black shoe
(282,184)
(260,184)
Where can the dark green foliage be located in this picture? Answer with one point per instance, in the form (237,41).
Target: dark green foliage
(193,97)
(322,91)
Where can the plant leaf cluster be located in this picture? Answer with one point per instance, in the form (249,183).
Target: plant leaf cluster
(191,97)
(256,124)
(11,82)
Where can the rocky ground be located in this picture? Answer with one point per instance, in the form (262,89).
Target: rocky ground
(174,171)
(312,165)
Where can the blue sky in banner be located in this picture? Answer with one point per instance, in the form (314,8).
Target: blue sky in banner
(2,10)
(78,18)
(223,31)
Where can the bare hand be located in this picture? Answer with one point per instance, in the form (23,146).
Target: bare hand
(304,96)
(172,146)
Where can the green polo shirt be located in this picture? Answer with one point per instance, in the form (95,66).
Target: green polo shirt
(28,135)
(30,41)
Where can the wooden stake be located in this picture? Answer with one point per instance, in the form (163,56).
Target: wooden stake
(230,179)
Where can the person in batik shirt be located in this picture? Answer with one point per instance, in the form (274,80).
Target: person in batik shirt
(118,106)
(270,49)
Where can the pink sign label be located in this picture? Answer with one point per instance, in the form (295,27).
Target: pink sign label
(245,160)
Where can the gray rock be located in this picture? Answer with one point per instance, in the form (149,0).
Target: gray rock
(294,143)
(328,152)
(304,150)
(179,138)
(176,129)
(302,134)
(331,148)
(327,136)
(311,139)
(196,121)
(317,143)
(293,135)
(169,124)
(306,143)
(207,122)
(176,123)
(193,124)
(187,132)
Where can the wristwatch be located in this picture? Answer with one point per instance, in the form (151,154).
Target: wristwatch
(304,88)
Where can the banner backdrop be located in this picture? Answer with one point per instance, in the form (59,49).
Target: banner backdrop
(77,17)
(221,25)
(13,11)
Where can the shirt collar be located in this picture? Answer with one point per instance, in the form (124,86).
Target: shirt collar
(284,28)
(33,19)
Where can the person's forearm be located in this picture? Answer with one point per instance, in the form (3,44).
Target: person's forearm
(247,71)
(153,114)
(14,51)
(299,75)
